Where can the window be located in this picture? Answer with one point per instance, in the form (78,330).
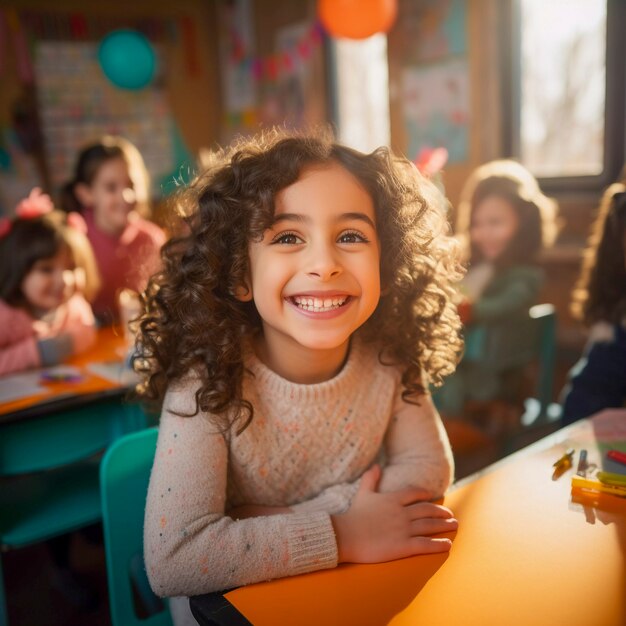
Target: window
(567,120)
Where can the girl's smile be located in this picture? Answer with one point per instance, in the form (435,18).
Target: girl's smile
(321,304)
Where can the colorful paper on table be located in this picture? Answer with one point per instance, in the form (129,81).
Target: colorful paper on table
(18,386)
(61,374)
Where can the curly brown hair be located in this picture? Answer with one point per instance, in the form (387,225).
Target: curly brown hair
(193,321)
(600,293)
(510,180)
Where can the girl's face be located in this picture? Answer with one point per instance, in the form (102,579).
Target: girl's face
(111,195)
(50,282)
(494,224)
(315,276)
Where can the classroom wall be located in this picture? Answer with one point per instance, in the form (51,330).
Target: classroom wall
(193,96)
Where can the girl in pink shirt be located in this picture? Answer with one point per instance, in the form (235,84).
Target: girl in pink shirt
(110,189)
(44,317)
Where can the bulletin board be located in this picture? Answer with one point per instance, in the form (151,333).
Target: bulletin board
(436,107)
(435,77)
(77,104)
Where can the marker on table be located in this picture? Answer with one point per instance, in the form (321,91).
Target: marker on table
(616,455)
(581,470)
(560,465)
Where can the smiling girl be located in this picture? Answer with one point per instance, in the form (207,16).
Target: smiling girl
(44,317)
(294,332)
(110,189)
(504,222)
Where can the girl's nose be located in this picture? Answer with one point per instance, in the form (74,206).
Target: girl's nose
(323,263)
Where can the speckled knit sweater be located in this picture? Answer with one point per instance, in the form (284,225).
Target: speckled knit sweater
(306,448)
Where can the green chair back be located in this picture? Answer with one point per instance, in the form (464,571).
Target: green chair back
(124,477)
(540,408)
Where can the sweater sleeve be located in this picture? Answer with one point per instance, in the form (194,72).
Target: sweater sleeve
(517,291)
(416,453)
(18,356)
(416,448)
(191,547)
(18,341)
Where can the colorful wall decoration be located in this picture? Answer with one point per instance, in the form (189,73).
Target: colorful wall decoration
(435,79)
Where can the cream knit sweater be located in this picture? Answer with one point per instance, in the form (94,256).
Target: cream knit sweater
(306,448)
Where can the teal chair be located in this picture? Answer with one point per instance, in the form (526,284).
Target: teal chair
(124,477)
(49,483)
(540,409)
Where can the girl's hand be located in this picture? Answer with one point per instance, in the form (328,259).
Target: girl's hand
(382,527)
(256,510)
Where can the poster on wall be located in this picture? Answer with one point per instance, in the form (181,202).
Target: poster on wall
(77,104)
(236,46)
(436,108)
(432,41)
(283,101)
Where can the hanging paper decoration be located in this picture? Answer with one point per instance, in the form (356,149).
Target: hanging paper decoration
(357,19)
(127,59)
(273,66)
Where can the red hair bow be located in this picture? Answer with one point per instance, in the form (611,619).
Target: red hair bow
(36,205)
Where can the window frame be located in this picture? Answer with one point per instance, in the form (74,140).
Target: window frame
(614,153)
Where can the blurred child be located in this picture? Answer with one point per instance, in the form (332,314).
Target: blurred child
(110,189)
(44,317)
(504,222)
(598,380)
(294,332)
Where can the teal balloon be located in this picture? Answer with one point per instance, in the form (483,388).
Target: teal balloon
(127,59)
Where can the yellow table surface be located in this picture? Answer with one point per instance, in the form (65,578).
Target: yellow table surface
(524,554)
(110,346)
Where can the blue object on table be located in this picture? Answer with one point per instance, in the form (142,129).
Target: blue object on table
(49,467)
(124,477)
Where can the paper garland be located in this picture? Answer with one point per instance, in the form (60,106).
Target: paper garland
(273,66)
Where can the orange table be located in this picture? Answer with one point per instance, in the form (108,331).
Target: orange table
(525,554)
(110,347)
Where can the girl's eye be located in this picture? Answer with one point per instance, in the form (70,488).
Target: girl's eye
(44,268)
(289,239)
(352,236)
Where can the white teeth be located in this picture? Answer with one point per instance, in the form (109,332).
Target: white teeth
(319,305)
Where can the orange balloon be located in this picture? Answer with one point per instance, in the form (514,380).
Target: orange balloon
(357,19)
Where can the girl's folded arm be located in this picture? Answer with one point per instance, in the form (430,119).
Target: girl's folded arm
(20,355)
(192,546)
(417,449)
